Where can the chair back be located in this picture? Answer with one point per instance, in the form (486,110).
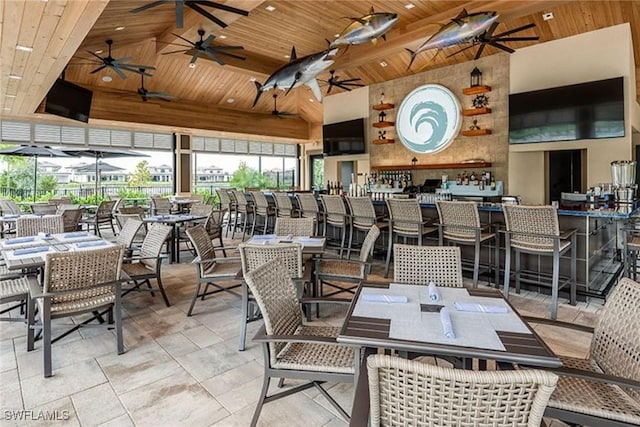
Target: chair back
(31,226)
(74,276)
(295,226)
(214,223)
(615,345)
(71,219)
(132,210)
(200,209)
(334,209)
(160,205)
(9,207)
(225,200)
(60,201)
(105,209)
(419,265)
(261,204)
(204,248)
(290,254)
(401,210)
(275,293)
(199,198)
(43,209)
(369,241)
(63,207)
(128,231)
(240,200)
(404,392)
(152,244)
(283,204)
(308,204)
(363,214)
(531,220)
(464,214)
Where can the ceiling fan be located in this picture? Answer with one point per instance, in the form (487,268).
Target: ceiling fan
(204,46)
(145,94)
(281,114)
(195,5)
(495,40)
(118,65)
(346,84)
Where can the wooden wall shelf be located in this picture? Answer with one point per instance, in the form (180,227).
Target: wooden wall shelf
(475,90)
(476,111)
(463,165)
(380,107)
(384,141)
(476,132)
(383,124)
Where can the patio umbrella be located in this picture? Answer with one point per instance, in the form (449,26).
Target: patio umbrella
(101,153)
(34,151)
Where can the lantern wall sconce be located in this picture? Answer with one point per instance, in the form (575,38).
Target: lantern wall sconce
(414,161)
(476,77)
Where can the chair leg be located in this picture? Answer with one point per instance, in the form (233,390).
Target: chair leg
(117,314)
(389,248)
(164,295)
(243,316)
(517,271)
(263,395)
(496,261)
(344,235)
(350,245)
(574,274)
(46,338)
(193,300)
(476,264)
(31,317)
(554,285)
(507,269)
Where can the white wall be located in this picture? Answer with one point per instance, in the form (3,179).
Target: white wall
(595,55)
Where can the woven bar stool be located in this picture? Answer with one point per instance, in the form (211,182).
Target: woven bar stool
(460,224)
(261,210)
(405,220)
(309,208)
(226,204)
(535,230)
(284,207)
(335,213)
(630,249)
(243,210)
(363,216)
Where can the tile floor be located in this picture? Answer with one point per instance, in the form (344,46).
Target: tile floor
(185,371)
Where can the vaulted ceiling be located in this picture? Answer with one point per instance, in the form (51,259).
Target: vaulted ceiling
(63,32)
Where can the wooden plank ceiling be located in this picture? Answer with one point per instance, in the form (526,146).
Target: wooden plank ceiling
(211,96)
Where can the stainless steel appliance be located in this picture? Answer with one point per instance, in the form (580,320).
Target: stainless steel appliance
(623,177)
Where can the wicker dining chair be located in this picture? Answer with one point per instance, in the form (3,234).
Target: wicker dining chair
(535,230)
(405,220)
(604,389)
(71,219)
(129,232)
(261,210)
(43,209)
(419,265)
(146,265)
(460,224)
(103,216)
(292,349)
(212,271)
(31,226)
(14,288)
(335,215)
(309,208)
(363,216)
(76,282)
(295,226)
(404,392)
(161,206)
(252,257)
(284,207)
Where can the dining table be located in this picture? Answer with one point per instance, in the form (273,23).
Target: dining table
(175,221)
(479,324)
(311,245)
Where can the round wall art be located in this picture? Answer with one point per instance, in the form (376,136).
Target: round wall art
(428,119)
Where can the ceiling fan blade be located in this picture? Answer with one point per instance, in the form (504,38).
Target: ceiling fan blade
(515,30)
(207,41)
(98,69)
(132,70)
(516,39)
(186,40)
(195,56)
(179,14)
(353,84)
(119,72)
(212,57)
(242,58)
(222,7)
(148,6)
(137,66)
(330,87)
(461,50)
(501,46)
(479,52)
(344,87)
(491,29)
(206,14)
(122,60)
(350,80)
(96,55)
(177,51)
(221,47)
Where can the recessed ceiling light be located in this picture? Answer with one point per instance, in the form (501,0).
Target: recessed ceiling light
(310,99)
(409,6)
(252,79)
(24,48)
(119,28)
(547,16)
(287,56)
(230,100)
(14,77)
(10,96)
(107,79)
(336,35)
(222,36)
(192,65)
(99,51)
(383,64)
(7,109)
(270,8)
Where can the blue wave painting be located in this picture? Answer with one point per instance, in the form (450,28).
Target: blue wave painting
(435,116)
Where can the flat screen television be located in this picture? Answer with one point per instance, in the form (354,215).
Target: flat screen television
(343,138)
(590,110)
(68,100)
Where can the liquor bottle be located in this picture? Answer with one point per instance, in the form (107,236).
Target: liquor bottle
(472,179)
(493,183)
(328,187)
(465,178)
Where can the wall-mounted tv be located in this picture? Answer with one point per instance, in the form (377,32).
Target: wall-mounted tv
(343,138)
(68,100)
(591,110)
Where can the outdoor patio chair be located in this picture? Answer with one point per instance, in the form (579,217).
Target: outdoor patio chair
(225,203)
(284,207)
(335,215)
(263,210)
(419,265)
(31,226)
(309,208)
(43,209)
(146,265)
(71,219)
(243,211)
(129,233)
(404,392)
(292,349)
(65,206)
(604,389)
(103,216)
(9,207)
(14,289)
(76,283)
(295,226)
(363,216)
(161,206)
(212,270)
(60,201)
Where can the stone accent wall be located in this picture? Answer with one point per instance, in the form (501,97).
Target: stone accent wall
(492,148)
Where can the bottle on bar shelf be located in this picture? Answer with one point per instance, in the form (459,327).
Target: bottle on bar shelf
(493,183)
(465,178)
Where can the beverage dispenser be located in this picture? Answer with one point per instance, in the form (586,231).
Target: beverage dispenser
(623,177)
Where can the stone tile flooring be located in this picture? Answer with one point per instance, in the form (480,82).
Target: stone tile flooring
(186,371)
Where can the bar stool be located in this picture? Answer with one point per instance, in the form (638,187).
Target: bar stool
(405,220)
(535,230)
(460,224)
(261,210)
(335,215)
(630,250)
(309,208)
(243,210)
(226,204)
(363,216)
(284,207)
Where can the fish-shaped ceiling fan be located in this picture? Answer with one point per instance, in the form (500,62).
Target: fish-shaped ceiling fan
(366,29)
(462,28)
(195,5)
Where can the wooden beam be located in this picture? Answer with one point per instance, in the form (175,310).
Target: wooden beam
(128,107)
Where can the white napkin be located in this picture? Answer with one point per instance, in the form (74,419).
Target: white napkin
(388,299)
(447,327)
(480,308)
(264,236)
(75,234)
(91,244)
(31,250)
(433,292)
(19,240)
